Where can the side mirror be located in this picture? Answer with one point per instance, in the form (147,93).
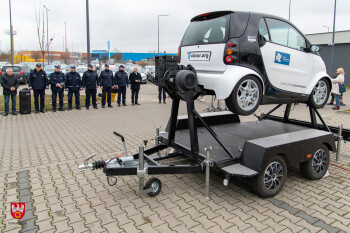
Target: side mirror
(315,48)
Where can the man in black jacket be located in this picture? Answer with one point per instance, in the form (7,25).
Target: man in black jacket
(10,84)
(73,86)
(106,82)
(122,82)
(38,82)
(58,80)
(135,79)
(90,83)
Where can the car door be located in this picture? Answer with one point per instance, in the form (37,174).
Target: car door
(288,66)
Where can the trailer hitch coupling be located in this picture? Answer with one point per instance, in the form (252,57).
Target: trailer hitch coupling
(86,165)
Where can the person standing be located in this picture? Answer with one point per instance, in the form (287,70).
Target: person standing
(135,80)
(335,87)
(73,86)
(106,82)
(38,82)
(10,84)
(57,80)
(161,90)
(122,82)
(90,83)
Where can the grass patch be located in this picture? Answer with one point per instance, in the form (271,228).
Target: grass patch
(346,110)
(48,102)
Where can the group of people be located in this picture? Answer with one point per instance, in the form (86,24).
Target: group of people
(73,83)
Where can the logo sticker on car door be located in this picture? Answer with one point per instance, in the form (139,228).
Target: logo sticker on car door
(282,58)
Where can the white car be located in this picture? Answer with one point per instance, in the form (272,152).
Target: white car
(248,59)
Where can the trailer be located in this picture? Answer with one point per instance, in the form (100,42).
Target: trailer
(219,142)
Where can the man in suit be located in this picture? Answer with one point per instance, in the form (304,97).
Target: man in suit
(135,79)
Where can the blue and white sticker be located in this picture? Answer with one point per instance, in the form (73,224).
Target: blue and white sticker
(282,58)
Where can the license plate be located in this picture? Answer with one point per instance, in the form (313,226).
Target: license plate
(198,56)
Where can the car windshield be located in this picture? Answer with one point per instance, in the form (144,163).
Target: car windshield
(81,69)
(14,68)
(206,31)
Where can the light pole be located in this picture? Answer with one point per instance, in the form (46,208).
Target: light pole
(332,54)
(326,27)
(88,32)
(65,36)
(158,31)
(11,33)
(290,3)
(47,31)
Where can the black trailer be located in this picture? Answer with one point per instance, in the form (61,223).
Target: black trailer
(259,149)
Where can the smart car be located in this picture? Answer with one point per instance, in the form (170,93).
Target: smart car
(249,59)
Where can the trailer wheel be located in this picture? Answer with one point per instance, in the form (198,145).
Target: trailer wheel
(156,186)
(272,179)
(317,166)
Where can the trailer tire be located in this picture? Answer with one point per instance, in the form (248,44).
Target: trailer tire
(317,166)
(277,165)
(154,183)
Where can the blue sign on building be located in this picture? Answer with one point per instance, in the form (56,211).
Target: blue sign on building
(129,56)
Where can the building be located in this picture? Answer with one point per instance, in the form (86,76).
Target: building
(35,56)
(341,50)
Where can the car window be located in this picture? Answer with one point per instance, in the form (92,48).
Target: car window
(263,29)
(206,31)
(285,34)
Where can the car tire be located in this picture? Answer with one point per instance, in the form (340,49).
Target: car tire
(242,93)
(317,166)
(319,95)
(276,170)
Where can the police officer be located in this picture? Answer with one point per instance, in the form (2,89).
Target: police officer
(106,82)
(73,86)
(57,80)
(38,82)
(122,82)
(90,83)
(135,79)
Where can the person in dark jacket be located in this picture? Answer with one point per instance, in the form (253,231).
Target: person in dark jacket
(38,82)
(106,83)
(58,80)
(122,82)
(10,84)
(135,80)
(90,83)
(73,86)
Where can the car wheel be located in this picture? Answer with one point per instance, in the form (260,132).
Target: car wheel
(319,95)
(245,97)
(317,166)
(272,179)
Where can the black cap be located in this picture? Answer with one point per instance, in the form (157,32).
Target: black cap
(38,65)
(91,66)
(121,66)
(107,64)
(58,66)
(73,67)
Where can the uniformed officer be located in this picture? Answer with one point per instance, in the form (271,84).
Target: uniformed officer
(73,86)
(38,82)
(122,82)
(106,82)
(90,83)
(57,80)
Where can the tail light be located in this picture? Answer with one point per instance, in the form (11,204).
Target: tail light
(231,52)
(21,72)
(179,54)
(0,72)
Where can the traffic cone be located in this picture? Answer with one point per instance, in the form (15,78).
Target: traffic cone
(341,101)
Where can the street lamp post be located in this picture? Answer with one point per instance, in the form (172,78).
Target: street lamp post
(65,36)
(88,32)
(158,31)
(47,32)
(11,33)
(326,27)
(332,54)
(290,3)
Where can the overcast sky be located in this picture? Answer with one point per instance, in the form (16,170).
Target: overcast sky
(131,25)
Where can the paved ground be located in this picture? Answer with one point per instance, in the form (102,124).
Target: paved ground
(39,154)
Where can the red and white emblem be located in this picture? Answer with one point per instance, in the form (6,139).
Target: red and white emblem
(18,209)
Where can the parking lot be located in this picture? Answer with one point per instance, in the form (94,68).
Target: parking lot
(40,153)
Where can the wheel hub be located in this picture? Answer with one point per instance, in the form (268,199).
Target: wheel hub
(273,176)
(319,161)
(320,92)
(248,95)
